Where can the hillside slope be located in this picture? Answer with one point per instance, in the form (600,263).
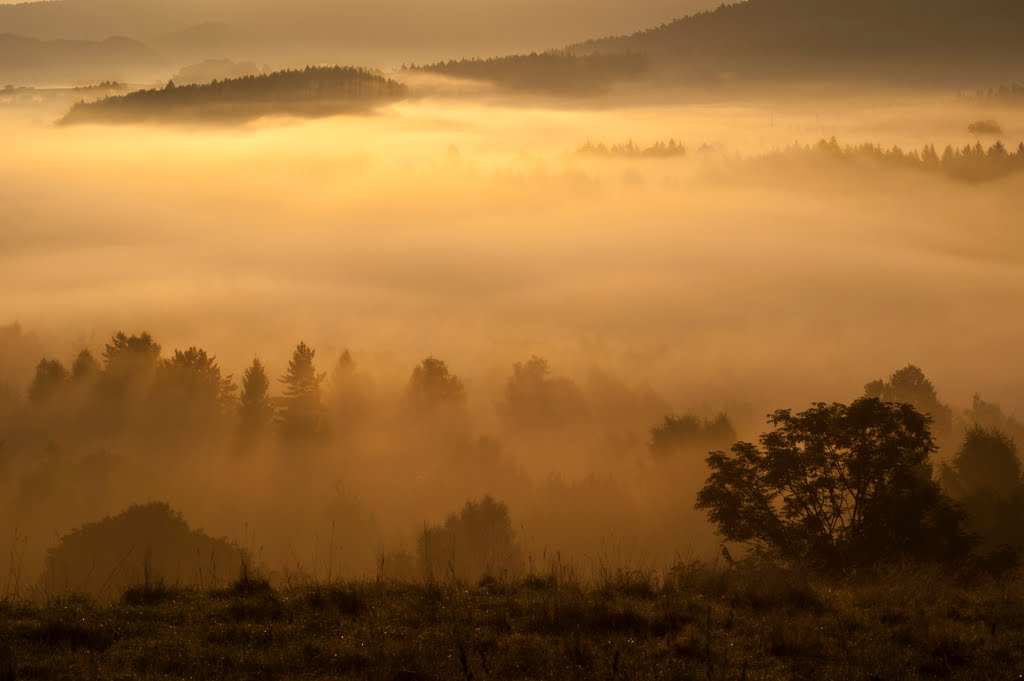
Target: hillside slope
(313,91)
(918,40)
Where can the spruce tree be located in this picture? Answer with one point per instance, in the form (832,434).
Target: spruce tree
(255,408)
(301,415)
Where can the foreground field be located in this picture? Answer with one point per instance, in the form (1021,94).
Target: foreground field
(737,624)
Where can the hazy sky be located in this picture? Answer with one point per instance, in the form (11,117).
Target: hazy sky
(381,33)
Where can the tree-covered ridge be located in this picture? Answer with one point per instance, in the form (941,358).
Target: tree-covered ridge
(312,91)
(547,72)
(971,163)
(936,40)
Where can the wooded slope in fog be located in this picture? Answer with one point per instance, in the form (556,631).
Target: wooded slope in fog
(933,39)
(951,42)
(308,92)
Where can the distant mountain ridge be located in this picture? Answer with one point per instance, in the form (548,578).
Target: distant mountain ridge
(917,39)
(907,42)
(401,27)
(961,43)
(28,60)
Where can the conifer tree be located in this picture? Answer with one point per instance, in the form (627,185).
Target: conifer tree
(51,377)
(85,367)
(301,415)
(255,409)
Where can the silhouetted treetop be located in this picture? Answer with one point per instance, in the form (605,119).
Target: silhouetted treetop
(689,434)
(992,417)
(349,394)
(255,407)
(476,542)
(130,349)
(51,377)
(85,367)
(987,463)
(536,399)
(301,412)
(433,384)
(985,477)
(129,360)
(910,386)
(194,376)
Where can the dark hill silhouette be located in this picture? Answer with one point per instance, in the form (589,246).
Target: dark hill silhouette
(890,40)
(313,91)
(926,42)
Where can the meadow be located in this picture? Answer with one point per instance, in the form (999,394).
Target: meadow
(699,621)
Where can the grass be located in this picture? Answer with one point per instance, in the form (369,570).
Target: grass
(753,622)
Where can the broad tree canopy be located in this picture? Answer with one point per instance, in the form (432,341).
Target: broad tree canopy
(836,486)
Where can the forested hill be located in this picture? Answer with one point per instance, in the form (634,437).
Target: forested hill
(313,91)
(922,40)
(548,73)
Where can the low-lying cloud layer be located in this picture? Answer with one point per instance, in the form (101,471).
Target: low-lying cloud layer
(473,232)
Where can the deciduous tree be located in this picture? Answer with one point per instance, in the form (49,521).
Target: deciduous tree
(837,486)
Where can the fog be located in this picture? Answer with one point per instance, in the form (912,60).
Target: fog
(469,229)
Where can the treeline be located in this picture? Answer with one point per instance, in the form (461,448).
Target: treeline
(554,72)
(630,149)
(134,385)
(971,163)
(105,85)
(895,475)
(1008,95)
(309,91)
(102,430)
